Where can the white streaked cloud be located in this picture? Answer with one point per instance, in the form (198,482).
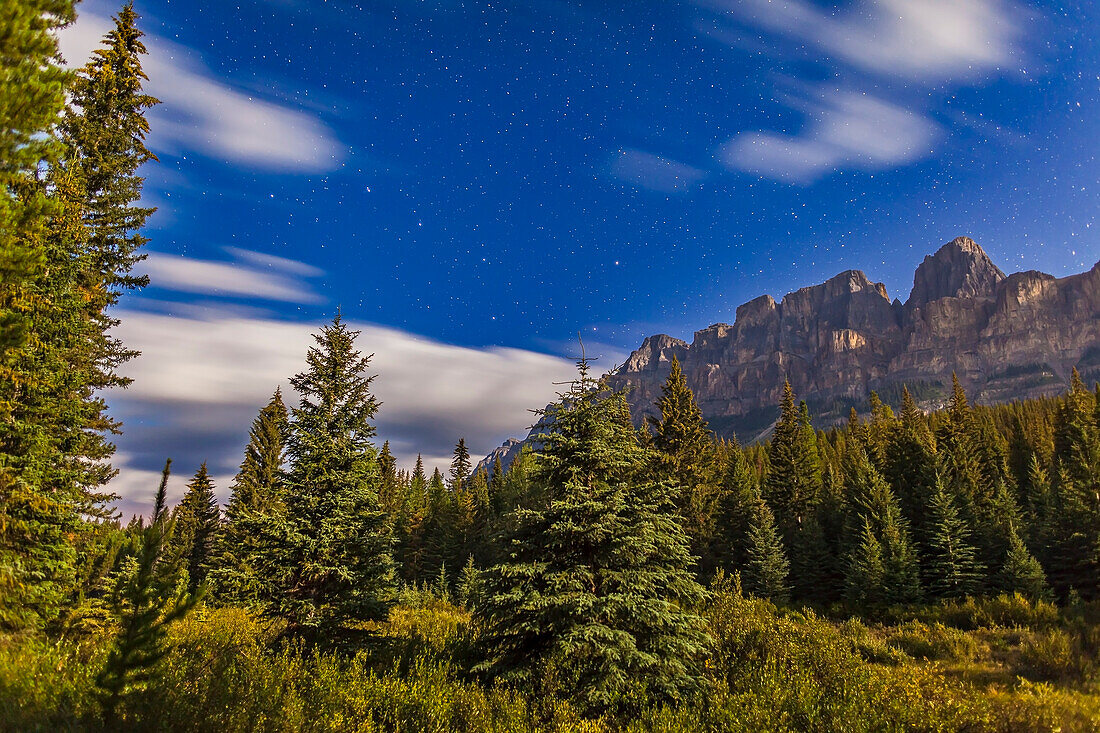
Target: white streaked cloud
(202,377)
(204,114)
(933,40)
(252,275)
(653,172)
(845,130)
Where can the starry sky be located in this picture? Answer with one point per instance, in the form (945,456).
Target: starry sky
(475,183)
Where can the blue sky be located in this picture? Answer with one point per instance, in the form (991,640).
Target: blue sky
(475,183)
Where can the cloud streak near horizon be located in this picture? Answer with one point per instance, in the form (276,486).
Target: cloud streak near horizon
(204,375)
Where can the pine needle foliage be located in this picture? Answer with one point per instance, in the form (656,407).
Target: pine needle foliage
(148,601)
(327,559)
(596,591)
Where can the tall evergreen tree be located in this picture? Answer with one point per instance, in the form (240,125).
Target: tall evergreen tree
(766,567)
(875,509)
(1021,572)
(951,567)
(328,558)
(597,582)
(911,467)
(196,521)
(792,485)
(461,466)
(257,489)
(686,454)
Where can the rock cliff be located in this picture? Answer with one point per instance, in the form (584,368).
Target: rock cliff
(1006,338)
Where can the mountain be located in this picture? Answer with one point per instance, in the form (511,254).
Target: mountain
(1007,337)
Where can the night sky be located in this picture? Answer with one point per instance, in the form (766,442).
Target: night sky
(474,183)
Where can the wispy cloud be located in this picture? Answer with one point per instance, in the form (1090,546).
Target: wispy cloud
(639,168)
(202,377)
(203,114)
(252,275)
(921,39)
(845,130)
(872,44)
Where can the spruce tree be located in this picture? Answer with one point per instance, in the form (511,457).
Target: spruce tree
(389,494)
(951,567)
(195,536)
(105,134)
(874,508)
(596,589)
(146,603)
(36,522)
(911,466)
(865,578)
(766,567)
(1021,572)
(461,466)
(685,454)
(792,485)
(327,560)
(258,489)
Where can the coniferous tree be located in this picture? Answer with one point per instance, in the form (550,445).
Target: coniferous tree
(792,485)
(147,602)
(766,567)
(597,583)
(388,494)
(461,466)
(865,578)
(911,465)
(258,489)
(685,451)
(328,559)
(36,521)
(196,522)
(951,567)
(737,502)
(874,508)
(1021,572)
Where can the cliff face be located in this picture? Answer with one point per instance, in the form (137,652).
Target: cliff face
(1006,338)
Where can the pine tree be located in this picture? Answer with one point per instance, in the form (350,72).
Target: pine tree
(258,489)
(766,567)
(388,493)
(911,466)
(874,508)
(461,466)
(147,602)
(866,574)
(792,485)
(37,520)
(597,583)
(328,559)
(951,567)
(469,584)
(196,522)
(737,502)
(685,451)
(105,134)
(1021,572)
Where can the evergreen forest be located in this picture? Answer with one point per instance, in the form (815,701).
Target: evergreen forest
(913,569)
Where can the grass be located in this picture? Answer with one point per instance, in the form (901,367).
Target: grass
(995,665)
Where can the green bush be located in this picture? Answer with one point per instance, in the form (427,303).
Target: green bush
(934,642)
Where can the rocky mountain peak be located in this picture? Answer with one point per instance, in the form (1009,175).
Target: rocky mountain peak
(654,351)
(959,269)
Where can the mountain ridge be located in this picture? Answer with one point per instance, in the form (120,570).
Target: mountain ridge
(1006,337)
